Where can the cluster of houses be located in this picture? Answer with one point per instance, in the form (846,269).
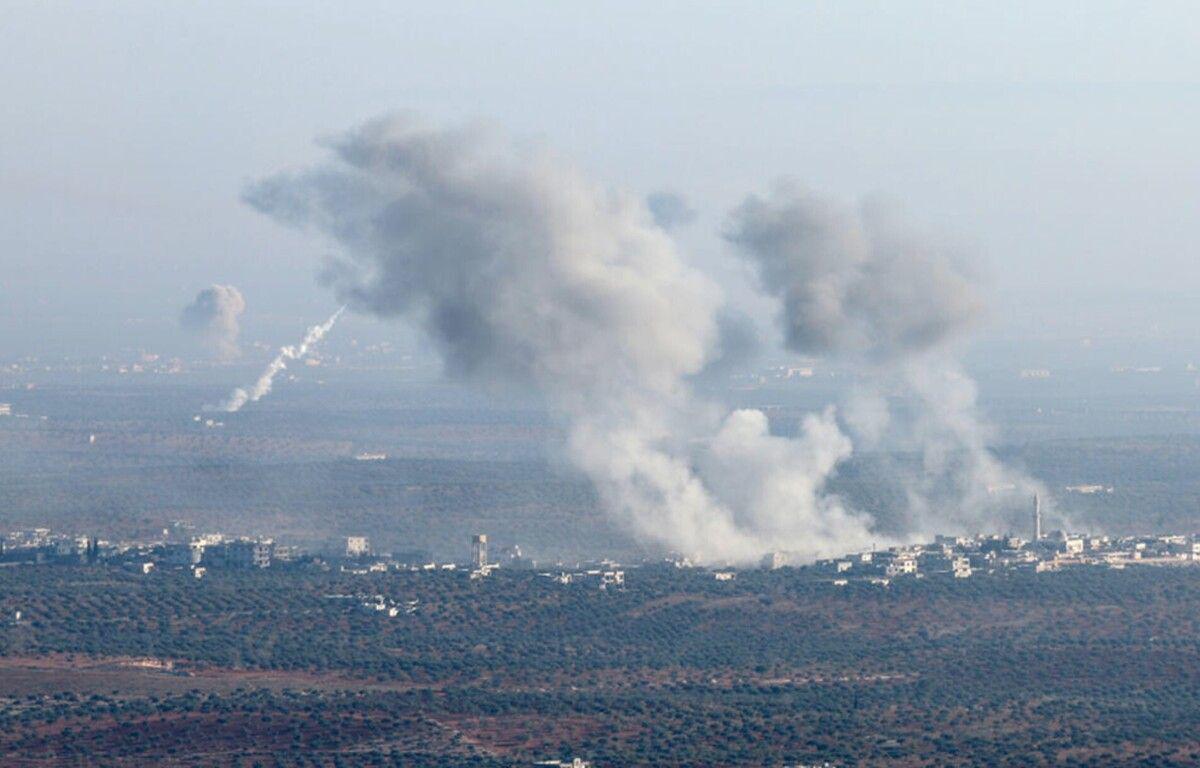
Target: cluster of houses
(951,556)
(41,545)
(181,548)
(381,604)
(962,556)
(605,577)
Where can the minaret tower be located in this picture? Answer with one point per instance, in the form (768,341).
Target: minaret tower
(1037,518)
(479,551)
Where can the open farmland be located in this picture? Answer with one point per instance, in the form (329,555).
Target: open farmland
(110,668)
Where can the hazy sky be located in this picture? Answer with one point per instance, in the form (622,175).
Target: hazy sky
(1057,139)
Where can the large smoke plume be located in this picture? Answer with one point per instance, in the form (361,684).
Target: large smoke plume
(262,386)
(524,272)
(214,314)
(857,285)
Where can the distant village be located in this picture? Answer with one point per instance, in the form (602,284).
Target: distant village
(963,556)
(181,548)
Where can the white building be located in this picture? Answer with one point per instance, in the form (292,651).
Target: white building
(901,566)
(612,579)
(357,546)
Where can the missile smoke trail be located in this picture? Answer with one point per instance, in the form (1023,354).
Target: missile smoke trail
(240,396)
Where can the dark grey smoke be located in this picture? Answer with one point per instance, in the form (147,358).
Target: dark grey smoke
(523,271)
(516,266)
(214,314)
(851,280)
(670,209)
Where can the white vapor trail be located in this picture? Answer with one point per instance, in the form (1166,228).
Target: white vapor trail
(239,397)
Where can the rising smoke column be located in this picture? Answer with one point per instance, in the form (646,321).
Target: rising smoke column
(858,285)
(214,314)
(525,273)
(262,386)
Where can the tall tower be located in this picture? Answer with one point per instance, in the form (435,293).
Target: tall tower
(479,550)
(1037,518)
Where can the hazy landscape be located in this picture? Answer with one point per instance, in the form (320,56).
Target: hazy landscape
(778,385)
(458,461)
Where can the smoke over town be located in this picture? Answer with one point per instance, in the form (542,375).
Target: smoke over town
(214,315)
(859,286)
(525,273)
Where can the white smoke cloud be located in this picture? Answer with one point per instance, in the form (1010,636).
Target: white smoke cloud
(240,396)
(859,286)
(214,314)
(524,272)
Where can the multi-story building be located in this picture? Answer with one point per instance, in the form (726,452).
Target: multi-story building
(260,553)
(901,566)
(479,550)
(242,554)
(185,555)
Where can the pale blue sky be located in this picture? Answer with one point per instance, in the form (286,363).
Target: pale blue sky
(1059,139)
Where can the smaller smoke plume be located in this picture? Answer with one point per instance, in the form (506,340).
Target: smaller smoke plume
(214,315)
(857,284)
(670,209)
(239,397)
